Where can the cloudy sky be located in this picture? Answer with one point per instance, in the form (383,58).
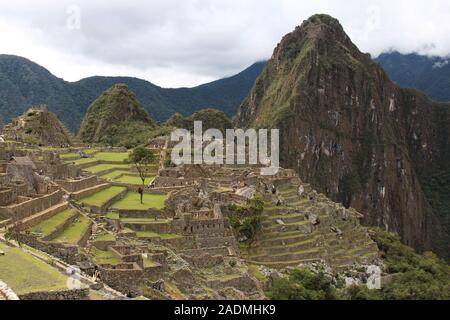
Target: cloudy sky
(176,43)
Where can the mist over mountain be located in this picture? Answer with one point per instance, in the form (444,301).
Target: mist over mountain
(428,74)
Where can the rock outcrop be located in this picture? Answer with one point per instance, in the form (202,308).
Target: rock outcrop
(352,133)
(38,126)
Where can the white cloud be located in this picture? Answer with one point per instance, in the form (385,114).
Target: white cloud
(187,42)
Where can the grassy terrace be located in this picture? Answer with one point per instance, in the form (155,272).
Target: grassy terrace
(105,156)
(25,274)
(128,179)
(83,160)
(105,257)
(115,174)
(101,197)
(112,156)
(105,237)
(74,232)
(48,226)
(132,201)
(112,215)
(150,234)
(103,167)
(144,220)
(68,155)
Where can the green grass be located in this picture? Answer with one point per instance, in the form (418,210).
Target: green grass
(105,257)
(112,156)
(133,179)
(25,274)
(90,151)
(112,215)
(101,197)
(254,271)
(48,226)
(132,201)
(83,160)
(146,234)
(103,167)
(73,233)
(68,155)
(105,237)
(114,174)
(144,220)
(149,263)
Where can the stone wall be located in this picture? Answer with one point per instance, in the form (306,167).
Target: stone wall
(6,196)
(75,294)
(77,195)
(243,283)
(59,229)
(78,184)
(30,207)
(127,281)
(28,223)
(67,253)
(204,226)
(84,239)
(150,213)
(170,182)
(204,260)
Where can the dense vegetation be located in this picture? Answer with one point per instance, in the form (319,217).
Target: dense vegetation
(247,220)
(416,277)
(210,118)
(116,118)
(24,83)
(428,74)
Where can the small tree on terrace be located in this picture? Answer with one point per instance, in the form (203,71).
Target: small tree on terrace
(142,158)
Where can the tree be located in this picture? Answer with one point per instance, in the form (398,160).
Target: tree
(142,158)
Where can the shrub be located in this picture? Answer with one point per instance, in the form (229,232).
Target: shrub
(247,220)
(303,284)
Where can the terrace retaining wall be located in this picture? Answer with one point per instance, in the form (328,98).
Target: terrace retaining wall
(67,253)
(33,206)
(75,294)
(77,185)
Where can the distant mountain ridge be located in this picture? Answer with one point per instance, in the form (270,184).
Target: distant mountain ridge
(428,74)
(24,83)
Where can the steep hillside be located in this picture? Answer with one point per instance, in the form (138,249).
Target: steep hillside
(112,112)
(24,83)
(210,118)
(428,74)
(353,133)
(38,126)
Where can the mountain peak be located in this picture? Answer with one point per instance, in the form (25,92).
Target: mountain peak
(336,108)
(316,33)
(114,107)
(38,126)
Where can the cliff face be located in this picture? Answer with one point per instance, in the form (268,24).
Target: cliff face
(354,134)
(116,107)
